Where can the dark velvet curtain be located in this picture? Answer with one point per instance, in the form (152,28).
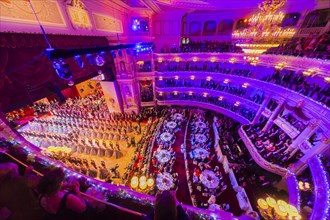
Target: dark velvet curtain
(297,111)
(26,73)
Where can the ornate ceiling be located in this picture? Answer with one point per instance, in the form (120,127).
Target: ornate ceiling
(219,5)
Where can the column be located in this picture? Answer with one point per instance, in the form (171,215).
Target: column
(302,162)
(154,90)
(274,115)
(306,133)
(261,109)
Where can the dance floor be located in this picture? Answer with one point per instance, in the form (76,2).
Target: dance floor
(110,162)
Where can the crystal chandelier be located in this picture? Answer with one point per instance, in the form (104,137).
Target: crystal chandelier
(264,30)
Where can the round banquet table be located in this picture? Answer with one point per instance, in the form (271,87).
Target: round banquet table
(163,156)
(201,153)
(171,124)
(164,181)
(177,116)
(200,124)
(166,137)
(209,179)
(200,138)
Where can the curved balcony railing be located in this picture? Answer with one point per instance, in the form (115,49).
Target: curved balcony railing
(258,158)
(215,87)
(224,47)
(286,127)
(321,209)
(205,105)
(230,69)
(293,190)
(208,91)
(291,62)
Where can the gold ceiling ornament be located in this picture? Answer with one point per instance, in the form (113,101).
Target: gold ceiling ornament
(264,30)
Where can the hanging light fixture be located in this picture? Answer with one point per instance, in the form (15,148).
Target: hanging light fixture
(264,30)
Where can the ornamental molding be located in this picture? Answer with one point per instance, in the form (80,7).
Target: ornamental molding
(78,14)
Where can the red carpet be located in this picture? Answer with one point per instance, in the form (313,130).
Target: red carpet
(183,194)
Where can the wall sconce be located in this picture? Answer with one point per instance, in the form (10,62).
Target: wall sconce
(177,59)
(195,59)
(208,78)
(176,77)
(309,72)
(226,81)
(245,85)
(160,60)
(220,98)
(212,59)
(192,77)
(204,94)
(190,92)
(279,66)
(237,103)
(233,60)
(175,92)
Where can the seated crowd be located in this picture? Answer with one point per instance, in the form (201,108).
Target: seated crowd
(299,125)
(243,111)
(311,47)
(205,179)
(297,82)
(273,145)
(237,90)
(164,156)
(205,46)
(229,140)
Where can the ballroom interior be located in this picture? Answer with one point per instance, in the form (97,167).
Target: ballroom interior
(224,103)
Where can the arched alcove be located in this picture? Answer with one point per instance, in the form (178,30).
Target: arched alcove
(225,27)
(195,28)
(209,28)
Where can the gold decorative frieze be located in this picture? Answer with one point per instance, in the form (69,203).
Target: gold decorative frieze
(107,23)
(48,12)
(78,14)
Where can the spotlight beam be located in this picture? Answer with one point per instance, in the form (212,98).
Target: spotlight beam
(60,53)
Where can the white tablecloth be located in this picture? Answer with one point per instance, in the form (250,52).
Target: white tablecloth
(200,153)
(171,124)
(164,181)
(163,156)
(166,137)
(177,116)
(200,138)
(209,179)
(200,124)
